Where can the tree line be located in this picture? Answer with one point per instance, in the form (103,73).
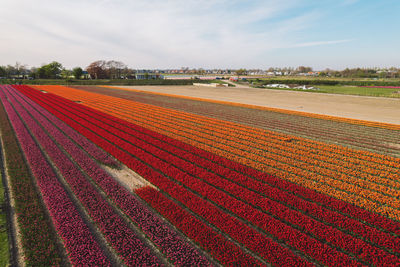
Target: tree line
(100,69)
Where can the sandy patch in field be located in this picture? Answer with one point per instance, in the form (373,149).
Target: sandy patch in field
(127,177)
(377,109)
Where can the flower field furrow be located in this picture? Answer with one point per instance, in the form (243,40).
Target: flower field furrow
(314,166)
(174,160)
(161,111)
(39,243)
(80,244)
(148,158)
(223,255)
(395,227)
(367,232)
(300,201)
(224,250)
(318,129)
(258,142)
(89,147)
(120,236)
(381,173)
(353,197)
(333,171)
(305,114)
(283,169)
(174,247)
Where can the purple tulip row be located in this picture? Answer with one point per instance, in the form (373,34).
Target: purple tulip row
(89,147)
(81,247)
(123,239)
(176,249)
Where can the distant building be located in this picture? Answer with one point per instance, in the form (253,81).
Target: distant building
(144,75)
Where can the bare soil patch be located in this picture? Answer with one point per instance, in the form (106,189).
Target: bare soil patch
(377,109)
(128,178)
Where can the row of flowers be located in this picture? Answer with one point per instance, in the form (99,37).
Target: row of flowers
(259,133)
(193,139)
(287,170)
(236,228)
(190,154)
(249,130)
(141,168)
(236,167)
(122,105)
(325,232)
(119,235)
(38,241)
(225,251)
(171,244)
(80,244)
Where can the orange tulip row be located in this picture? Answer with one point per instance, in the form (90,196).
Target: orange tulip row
(276,154)
(257,133)
(310,175)
(371,156)
(299,113)
(339,151)
(309,153)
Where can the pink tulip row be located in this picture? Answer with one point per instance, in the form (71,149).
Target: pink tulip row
(80,244)
(38,241)
(119,235)
(171,244)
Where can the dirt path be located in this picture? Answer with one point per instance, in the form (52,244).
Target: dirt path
(378,109)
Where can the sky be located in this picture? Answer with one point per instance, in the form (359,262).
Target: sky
(149,34)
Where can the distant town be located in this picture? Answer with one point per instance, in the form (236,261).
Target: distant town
(102,69)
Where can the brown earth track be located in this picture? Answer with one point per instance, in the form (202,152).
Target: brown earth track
(378,140)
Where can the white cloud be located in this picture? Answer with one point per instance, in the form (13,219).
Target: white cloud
(149,33)
(320,43)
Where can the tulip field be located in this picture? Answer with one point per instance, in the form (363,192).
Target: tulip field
(228,184)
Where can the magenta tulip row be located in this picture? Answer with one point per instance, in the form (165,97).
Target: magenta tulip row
(123,239)
(170,243)
(342,240)
(38,242)
(78,240)
(89,147)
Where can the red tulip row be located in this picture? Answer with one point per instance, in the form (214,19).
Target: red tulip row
(382,239)
(214,110)
(204,235)
(325,232)
(119,235)
(269,252)
(350,209)
(80,244)
(225,251)
(191,153)
(174,247)
(320,256)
